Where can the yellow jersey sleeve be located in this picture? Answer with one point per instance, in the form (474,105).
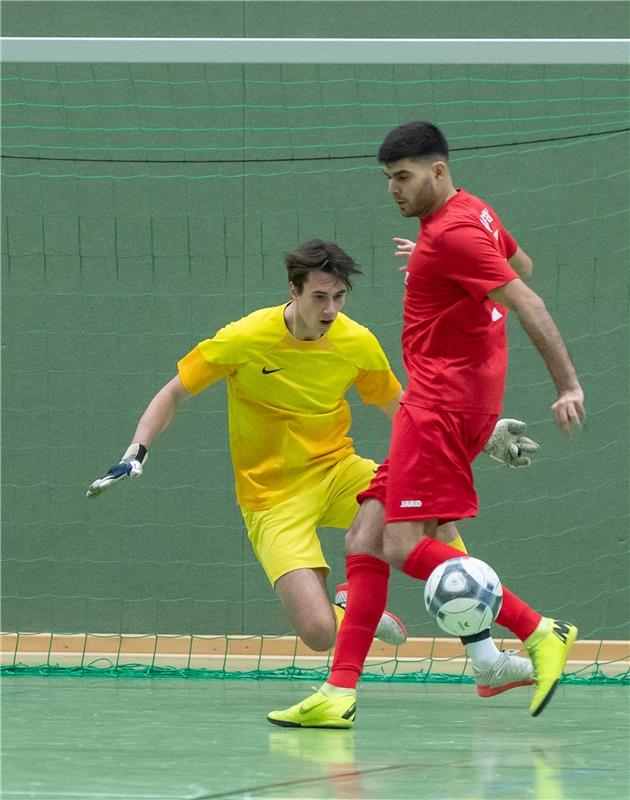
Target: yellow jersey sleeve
(377,386)
(196,373)
(230,348)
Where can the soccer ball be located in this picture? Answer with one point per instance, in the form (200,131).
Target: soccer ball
(464,595)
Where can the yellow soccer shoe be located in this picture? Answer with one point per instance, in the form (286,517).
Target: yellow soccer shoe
(548,648)
(318,711)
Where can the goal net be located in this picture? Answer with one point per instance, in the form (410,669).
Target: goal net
(145,205)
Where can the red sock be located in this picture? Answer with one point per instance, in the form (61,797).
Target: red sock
(368,578)
(515,615)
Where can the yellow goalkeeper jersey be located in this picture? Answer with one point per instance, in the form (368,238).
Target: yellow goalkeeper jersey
(288,417)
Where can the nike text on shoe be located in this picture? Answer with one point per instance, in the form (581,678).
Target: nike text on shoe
(548,647)
(390,629)
(317,711)
(507,672)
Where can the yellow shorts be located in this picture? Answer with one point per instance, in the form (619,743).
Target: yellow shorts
(285,537)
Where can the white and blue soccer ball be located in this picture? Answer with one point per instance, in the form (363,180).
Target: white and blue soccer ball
(463,595)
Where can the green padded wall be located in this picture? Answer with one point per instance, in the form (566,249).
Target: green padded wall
(546,19)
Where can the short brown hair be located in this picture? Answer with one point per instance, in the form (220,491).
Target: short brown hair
(319,255)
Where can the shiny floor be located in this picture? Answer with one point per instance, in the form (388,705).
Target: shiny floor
(71,738)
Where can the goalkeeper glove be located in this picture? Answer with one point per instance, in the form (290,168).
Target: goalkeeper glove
(129,466)
(507,445)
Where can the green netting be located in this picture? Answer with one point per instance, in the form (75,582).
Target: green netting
(144,206)
(108,670)
(595,673)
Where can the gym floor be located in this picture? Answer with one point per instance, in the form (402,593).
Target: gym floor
(77,738)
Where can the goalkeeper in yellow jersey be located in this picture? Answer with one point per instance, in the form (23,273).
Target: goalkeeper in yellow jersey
(288,369)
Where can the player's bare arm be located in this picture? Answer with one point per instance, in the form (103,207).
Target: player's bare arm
(538,324)
(521,263)
(159,414)
(156,418)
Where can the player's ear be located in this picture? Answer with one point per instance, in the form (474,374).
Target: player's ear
(293,290)
(440,169)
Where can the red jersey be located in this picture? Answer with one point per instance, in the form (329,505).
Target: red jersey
(453,340)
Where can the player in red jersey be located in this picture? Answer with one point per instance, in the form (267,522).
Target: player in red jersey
(459,289)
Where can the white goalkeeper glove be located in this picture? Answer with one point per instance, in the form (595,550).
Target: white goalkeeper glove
(129,466)
(507,445)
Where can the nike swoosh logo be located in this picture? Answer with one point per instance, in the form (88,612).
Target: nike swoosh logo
(266,371)
(306,710)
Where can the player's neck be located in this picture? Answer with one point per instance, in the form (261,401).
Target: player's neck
(295,326)
(441,201)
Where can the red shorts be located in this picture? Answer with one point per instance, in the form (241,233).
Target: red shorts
(427,474)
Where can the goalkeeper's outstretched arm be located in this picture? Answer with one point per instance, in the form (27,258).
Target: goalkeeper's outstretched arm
(159,414)
(156,418)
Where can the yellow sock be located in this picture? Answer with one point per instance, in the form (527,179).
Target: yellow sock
(339,613)
(331,691)
(458,542)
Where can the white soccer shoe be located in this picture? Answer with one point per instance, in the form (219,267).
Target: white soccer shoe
(507,672)
(390,629)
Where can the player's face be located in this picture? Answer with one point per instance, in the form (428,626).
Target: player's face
(313,311)
(415,186)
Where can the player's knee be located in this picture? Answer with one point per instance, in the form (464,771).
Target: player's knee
(353,541)
(391,548)
(361,542)
(318,636)
(365,536)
